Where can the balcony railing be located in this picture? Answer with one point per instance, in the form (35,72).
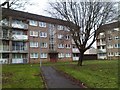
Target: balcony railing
(75,58)
(19,60)
(3,61)
(20,37)
(21,26)
(4,48)
(19,48)
(101,50)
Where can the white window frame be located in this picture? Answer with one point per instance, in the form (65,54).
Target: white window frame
(116,29)
(43,55)
(68,46)
(33,55)
(43,44)
(60,45)
(42,24)
(60,27)
(43,34)
(60,36)
(68,54)
(117,38)
(61,55)
(33,23)
(34,44)
(117,53)
(34,33)
(118,45)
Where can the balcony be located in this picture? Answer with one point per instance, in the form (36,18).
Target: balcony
(19,25)
(20,37)
(19,49)
(3,61)
(75,50)
(102,51)
(19,60)
(101,43)
(4,48)
(75,58)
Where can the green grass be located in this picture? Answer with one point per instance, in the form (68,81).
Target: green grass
(95,74)
(21,76)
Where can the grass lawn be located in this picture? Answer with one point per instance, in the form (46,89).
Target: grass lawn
(21,76)
(95,73)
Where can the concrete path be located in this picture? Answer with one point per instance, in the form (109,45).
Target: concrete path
(55,80)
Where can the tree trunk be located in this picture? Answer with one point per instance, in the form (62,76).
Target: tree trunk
(80,59)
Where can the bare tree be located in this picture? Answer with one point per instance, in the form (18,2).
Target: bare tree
(15,4)
(84,20)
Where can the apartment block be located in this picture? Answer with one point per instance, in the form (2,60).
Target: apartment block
(108,41)
(31,38)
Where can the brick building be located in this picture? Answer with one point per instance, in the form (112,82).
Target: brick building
(29,38)
(108,41)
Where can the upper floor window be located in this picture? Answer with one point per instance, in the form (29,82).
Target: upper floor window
(32,23)
(117,45)
(43,34)
(67,37)
(4,22)
(60,27)
(43,45)
(43,55)
(18,32)
(68,46)
(117,53)
(60,36)
(60,45)
(42,24)
(33,55)
(33,44)
(34,33)
(116,29)
(117,38)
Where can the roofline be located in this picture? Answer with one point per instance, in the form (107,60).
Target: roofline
(26,15)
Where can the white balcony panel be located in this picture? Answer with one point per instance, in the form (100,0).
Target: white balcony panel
(20,37)
(17,60)
(101,50)
(102,57)
(3,61)
(75,50)
(75,58)
(21,26)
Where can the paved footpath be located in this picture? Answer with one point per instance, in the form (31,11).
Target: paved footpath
(55,80)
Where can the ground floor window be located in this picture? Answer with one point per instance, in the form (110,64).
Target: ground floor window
(43,55)
(34,55)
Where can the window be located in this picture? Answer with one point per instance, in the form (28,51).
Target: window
(61,55)
(43,34)
(60,27)
(33,44)
(43,55)
(68,55)
(110,54)
(67,37)
(117,53)
(17,32)
(32,23)
(110,46)
(116,29)
(34,55)
(60,36)
(117,45)
(34,33)
(60,45)
(42,24)
(43,45)
(117,38)
(109,32)
(68,46)
(66,29)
